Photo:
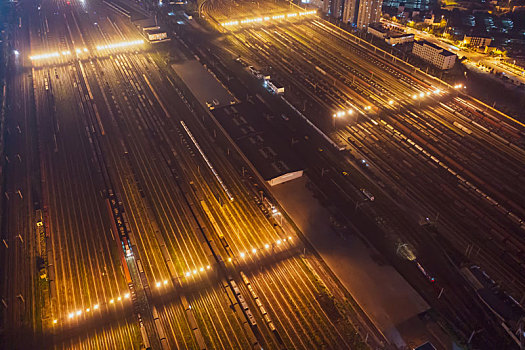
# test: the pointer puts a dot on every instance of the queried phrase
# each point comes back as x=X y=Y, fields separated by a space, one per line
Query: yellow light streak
x=119 y=45
x=267 y=18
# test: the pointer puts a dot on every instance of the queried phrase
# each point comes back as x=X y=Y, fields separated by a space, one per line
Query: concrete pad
x=377 y=287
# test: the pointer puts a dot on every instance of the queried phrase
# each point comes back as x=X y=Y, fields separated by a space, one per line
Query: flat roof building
x=437 y=56
x=477 y=40
x=396 y=39
x=273 y=158
x=391 y=37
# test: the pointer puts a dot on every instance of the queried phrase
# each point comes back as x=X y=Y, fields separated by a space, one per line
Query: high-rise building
x=362 y=12
x=421 y=5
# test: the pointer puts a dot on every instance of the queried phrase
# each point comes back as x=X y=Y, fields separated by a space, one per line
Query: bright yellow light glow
x=126 y=295
x=267 y=18
x=88 y=309
x=201 y=269
x=391 y=102
x=188 y=274
x=71 y=315
x=229 y=259
x=242 y=255
x=208 y=267
x=55 y=321
x=158 y=284
x=279 y=242
x=289 y=238
x=79 y=312
x=165 y=282
x=120 y=45
x=111 y=301
x=254 y=250
x=44 y=56
x=95 y=307
x=414 y=97
x=119 y=298
x=266 y=246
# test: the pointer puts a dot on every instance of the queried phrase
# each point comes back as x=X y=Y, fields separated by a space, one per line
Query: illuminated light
x=126 y=295
x=201 y=269
x=229 y=259
x=437 y=91
x=16 y=52
x=95 y=307
x=279 y=242
x=421 y=94
x=188 y=274
x=350 y=111
x=254 y=250
x=165 y=282
x=194 y=272
x=266 y=246
x=335 y=115
x=391 y=102
x=428 y=93
x=208 y=267
x=242 y=255
x=158 y=284
x=120 y=45
x=85 y=50
x=414 y=97
x=111 y=301
x=119 y=298
x=55 y=321
x=78 y=50
x=71 y=315
x=44 y=56
x=79 y=312
x=88 y=309
x=289 y=238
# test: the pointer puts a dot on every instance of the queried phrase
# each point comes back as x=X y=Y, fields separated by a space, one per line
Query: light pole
x=340 y=114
